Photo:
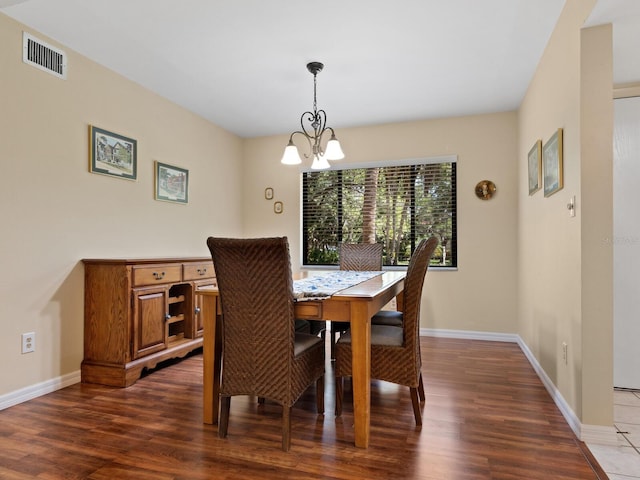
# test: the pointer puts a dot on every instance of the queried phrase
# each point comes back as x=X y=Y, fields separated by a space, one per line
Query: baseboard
x=470 y=335
x=569 y=415
x=33 y=391
x=602 y=435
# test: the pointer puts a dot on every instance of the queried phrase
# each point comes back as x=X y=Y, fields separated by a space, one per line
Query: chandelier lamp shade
x=313 y=127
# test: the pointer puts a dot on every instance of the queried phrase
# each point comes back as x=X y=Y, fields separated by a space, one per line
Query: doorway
x=626 y=243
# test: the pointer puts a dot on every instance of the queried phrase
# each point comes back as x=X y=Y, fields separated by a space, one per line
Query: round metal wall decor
x=485 y=189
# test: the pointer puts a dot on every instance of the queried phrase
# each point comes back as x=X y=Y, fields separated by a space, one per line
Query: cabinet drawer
x=197 y=271
x=156 y=274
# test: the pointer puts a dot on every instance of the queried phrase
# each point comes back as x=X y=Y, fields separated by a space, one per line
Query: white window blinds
x=396 y=205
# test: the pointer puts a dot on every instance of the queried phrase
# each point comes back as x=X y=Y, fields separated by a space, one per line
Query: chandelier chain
x=315 y=102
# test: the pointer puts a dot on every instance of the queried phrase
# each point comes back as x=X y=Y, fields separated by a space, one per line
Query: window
x=396 y=205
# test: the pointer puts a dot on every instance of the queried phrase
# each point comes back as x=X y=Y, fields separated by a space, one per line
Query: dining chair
x=361 y=257
x=262 y=354
x=395 y=351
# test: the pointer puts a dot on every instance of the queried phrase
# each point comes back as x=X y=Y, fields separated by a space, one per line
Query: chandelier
x=313 y=128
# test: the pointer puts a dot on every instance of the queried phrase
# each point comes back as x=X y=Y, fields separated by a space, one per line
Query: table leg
x=361 y=370
x=400 y=302
x=211 y=359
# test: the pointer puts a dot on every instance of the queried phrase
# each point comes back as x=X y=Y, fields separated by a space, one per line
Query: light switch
x=571 y=206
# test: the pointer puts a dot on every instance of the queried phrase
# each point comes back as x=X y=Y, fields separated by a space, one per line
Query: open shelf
x=178 y=299
x=176 y=318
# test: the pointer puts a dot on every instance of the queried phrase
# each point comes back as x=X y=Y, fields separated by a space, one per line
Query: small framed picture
x=535 y=167
x=112 y=154
x=172 y=183
x=277 y=207
x=552 y=161
x=268 y=193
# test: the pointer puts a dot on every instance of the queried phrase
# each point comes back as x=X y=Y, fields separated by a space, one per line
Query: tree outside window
x=396 y=206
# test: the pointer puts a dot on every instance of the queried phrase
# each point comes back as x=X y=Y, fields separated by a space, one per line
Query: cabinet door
x=150 y=310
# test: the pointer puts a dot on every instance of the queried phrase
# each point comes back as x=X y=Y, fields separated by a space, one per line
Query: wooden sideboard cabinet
x=138 y=312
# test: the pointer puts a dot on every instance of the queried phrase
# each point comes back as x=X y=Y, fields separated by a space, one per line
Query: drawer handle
x=202 y=271
x=158 y=276
x=197 y=310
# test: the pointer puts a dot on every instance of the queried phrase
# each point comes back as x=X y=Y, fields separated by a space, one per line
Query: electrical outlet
x=565 y=348
x=29 y=342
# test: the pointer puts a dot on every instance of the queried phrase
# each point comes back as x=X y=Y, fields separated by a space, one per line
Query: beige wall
x=564 y=267
x=54 y=212
x=596 y=178
x=481 y=294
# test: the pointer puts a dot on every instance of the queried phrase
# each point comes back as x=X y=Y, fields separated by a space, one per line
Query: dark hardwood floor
x=486 y=416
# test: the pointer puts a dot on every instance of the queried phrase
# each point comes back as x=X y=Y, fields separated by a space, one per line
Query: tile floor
x=622 y=461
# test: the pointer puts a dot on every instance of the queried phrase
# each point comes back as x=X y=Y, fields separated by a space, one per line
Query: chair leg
x=223 y=421
x=416 y=405
x=320 y=394
x=421 y=389
x=339 y=395
x=286 y=428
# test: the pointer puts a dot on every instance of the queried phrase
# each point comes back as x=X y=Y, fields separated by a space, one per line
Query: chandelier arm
x=325 y=130
x=310 y=118
x=321 y=119
x=308 y=141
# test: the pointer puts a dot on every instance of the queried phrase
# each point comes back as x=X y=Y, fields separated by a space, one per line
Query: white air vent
x=37 y=53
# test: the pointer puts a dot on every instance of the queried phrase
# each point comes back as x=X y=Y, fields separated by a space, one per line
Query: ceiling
x=242 y=64
x=625 y=17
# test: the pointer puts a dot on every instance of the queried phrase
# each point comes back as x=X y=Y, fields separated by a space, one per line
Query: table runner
x=325 y=285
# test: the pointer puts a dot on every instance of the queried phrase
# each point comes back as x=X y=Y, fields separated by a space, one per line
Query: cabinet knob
x=197 y=310
x=167 y=316
x=158 y=275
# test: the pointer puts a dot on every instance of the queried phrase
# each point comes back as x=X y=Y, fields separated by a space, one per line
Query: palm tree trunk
x=369 y=207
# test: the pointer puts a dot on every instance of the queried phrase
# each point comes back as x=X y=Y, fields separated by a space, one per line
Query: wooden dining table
x=355 y=304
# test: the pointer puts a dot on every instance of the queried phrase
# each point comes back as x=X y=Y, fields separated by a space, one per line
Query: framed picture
x=268 y=193
x=552 y=160
x=277 y=207
x=172 y=183
x=535 y=167
x=112 y=154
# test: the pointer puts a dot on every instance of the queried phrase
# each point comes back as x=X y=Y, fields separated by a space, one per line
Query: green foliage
x=405 y=205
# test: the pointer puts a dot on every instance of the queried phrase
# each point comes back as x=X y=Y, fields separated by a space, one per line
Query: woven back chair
x=360 y=257
x=262 y=355
x=395 y=351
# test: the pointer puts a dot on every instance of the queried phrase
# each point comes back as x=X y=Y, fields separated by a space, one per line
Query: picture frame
x=112 y=154
x=268 y=193
x=171 y=183
x=552 y=163
x=277 y=207
x=535 y=167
